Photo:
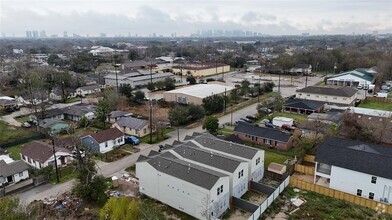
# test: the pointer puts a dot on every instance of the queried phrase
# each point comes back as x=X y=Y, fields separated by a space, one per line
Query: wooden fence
x=385 y=208
x=304 y=169
x=309 y=158
x=378 y=99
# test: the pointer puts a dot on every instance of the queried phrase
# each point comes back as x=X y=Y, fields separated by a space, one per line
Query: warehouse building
x=196 y=93
x=201 y=69
x=136 y=78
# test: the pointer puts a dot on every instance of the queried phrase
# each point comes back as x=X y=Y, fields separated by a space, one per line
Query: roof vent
x=189 y=167
x=211 y=155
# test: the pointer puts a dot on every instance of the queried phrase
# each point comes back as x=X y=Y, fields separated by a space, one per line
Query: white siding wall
x=109 y=145
x=257 y=170
x=24 y=175
x=177 y=193
x=326 y=98
x=349 y=181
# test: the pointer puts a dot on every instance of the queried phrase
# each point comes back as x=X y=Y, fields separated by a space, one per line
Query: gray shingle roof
x=116 y=114
x=185 y=171
x=79 y=109
x=131 y=122
x=344 y=91
x=226 y=146
x=303 y=104
x=269 y=133
x=216 y=160
x=40 y=151
x=12 y=168
x=356 y=155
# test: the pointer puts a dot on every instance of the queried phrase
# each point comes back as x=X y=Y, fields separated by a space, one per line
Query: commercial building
x=201 y=69
x=355 y=167
x=135 y=78
x=353 y=78
x=196 y=93
x=342 y=96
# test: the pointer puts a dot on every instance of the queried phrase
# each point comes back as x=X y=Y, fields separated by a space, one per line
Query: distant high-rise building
x=28 y=34
x=54 y=36
x=65 y=34
x=154 y=35
x=3 y=35
x=305 y=34
x=102 y=35
x=42 y=34
x=35 y=34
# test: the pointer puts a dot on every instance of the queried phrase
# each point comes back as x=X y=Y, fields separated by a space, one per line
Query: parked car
x=132 y=140
x=26 y=125
x=287 y=127
x=251 y=117
x=247 y=120
x=9 y=109
x=269 y=125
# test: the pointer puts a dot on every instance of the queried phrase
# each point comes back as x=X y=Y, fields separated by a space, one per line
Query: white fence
x=270 y=199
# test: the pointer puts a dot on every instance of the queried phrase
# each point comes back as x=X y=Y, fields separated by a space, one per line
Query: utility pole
x=279 y=84
x=231 y=115
x=150 y=104
x=258 y=97
x=55 y=159
x=115 y=70
x=224 y=103
x=306 y=80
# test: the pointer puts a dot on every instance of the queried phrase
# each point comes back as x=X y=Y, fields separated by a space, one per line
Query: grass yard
x=130 y=148
x=11 y=133
x=146 y=139
x=274 y=157
x=318 y=206
x=227 y=130
x=376 y=105
x=71 y=100
x=296 y=117
x=22 y=119
x=15 y=151
x=66 y=173
x=113 y=155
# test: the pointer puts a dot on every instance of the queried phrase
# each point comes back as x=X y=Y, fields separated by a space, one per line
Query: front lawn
x=146 y=139
x=376 y=105
x=113 y=155
x=15 y=151
x=65 y=174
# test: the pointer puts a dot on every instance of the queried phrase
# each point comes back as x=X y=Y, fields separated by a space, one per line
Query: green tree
x=195 y=112
x=92 y=190
x=12 y=209
x=82 y=62
x=151 y=86
x=191 y=80
x=169 y=84
x=268 y=86
x=63 y=81
x=245 y=87
x=102 y=111
x=234 y=95
x=126 y=90
x=120 y=209
x=178 y=115
x=133 y=54
x=213 y=104
x=139 y=97
x=211 y=124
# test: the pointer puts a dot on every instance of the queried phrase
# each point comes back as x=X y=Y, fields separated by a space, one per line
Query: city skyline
x=144 y=18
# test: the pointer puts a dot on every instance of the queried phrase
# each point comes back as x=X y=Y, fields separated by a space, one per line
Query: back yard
x=376 y=105
x=11 y=133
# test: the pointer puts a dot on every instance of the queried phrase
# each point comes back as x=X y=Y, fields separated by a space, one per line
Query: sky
x=183 y=17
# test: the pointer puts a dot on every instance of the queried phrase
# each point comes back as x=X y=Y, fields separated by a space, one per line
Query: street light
x=115 y=70
x=52 y=136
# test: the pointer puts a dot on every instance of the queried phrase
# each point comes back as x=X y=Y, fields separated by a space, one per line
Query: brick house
x=264 y=136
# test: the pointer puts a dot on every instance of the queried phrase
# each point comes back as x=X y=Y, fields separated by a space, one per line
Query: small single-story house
x=301 y=69
x=116 y=115
x=341 y=96
x=332 y=117
x=54 y=126
x=263 y=135
x=133 y=126
x=56 y=93
x=40 y=154
x=104 y=141
x=7 y=102
x=89 y=89
x=11 y=171
x=302 y=106
x=76 y=112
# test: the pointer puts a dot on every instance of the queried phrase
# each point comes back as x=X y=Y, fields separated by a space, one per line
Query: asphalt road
x=117 y=168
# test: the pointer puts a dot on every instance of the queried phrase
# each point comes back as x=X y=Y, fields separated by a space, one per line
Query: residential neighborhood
x=216 y=110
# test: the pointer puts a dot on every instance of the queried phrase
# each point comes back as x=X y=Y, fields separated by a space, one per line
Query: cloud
x=185 y=17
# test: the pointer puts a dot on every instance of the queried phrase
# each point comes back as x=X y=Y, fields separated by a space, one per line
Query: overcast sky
x=143 y=17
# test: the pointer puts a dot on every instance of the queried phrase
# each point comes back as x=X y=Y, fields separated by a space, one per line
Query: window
x=335 y=97
x=265 y=141
x=344 y=98
x=239 y=175
x=242 y=172
x=218 y=191
x=317 y=96
x=371 y=195
x=359 y=192
x=221 y=188
x=374 y=179
x=257 y=161
x=21 y=174
x=106 y=144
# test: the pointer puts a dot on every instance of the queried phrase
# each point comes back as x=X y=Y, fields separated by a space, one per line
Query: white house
x=236 y=169
x=254 y=157
x=353 y=78
x=11 y=171
x=104 y=141
x=302 y=69
x=355 y=167
x=195 y=190
x=40 y=154
x=89 y=89
x=132 y=126
x=331 y=95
